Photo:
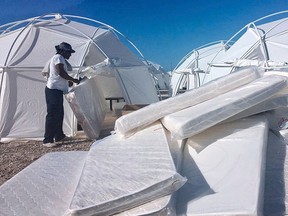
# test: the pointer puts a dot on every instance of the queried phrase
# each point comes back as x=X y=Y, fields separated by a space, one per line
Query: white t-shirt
x=55 y=81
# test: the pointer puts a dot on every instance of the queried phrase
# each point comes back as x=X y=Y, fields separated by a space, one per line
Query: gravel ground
x=16 y=155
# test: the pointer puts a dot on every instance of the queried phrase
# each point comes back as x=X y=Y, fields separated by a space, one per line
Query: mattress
x=278 y=101
x=225 y=167
x=89 y=107
x=164 y=205
x=195 y=119
x=120 y=174
x=45 y=187
x=135 y=121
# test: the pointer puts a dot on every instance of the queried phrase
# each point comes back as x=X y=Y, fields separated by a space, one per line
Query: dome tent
x=261 y=43
x=27 y=45
x=193 y=69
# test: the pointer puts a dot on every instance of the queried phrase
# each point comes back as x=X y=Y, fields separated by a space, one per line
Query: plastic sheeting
x=193 y=120
x=130 y=123
x=225 y=168
x=89 y=107
x=120 y=174
x=43 y=188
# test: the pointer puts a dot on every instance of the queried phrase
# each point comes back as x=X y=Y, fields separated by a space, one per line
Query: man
x=57 y=84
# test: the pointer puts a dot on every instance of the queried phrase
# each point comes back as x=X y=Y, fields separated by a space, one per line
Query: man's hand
x=76 y=81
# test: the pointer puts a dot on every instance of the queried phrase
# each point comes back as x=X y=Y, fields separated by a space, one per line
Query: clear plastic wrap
x=225 y=167
x=89 y=106
x=132 y=122
x=120 y=174
x=195 y=119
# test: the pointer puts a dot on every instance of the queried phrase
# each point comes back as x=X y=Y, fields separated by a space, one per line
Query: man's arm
x=64 y=75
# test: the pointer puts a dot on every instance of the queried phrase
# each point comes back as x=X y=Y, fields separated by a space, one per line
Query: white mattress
x=89 y=107
x=225 y=168
x=45 y=187
x=132 y=122
x=164 y=205
x=275 y=102
x=120 y=174
x=195 y=119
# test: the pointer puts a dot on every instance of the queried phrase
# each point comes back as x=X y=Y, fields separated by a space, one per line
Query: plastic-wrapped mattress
x=195 y=119
x=45 y=187
x=120 y=174
x=132 y=122
x=164 y=205
x=225 y=167
x=89 y=106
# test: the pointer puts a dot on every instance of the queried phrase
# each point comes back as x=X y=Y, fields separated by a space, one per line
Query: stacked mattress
x=199 y=153
x=136 y=176
x=225 y=167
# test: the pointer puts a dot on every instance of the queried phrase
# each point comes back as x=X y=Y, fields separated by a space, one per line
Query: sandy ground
x=18 y=154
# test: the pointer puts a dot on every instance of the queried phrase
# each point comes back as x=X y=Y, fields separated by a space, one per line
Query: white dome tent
x=28 y=44
x=262 y=43
x=161 y=79
x=193 y=69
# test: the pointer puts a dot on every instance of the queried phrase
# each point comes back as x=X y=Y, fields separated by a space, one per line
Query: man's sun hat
x=65 y=46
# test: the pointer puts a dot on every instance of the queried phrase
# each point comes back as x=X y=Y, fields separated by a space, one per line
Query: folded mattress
x=132 y=122
x=225 y=167
x=45 y=187
x=89 y=107
x=195 y=119
x=120 y=174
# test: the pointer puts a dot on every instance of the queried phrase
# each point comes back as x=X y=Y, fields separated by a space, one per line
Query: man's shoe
x=65 y=139
x=50 y=145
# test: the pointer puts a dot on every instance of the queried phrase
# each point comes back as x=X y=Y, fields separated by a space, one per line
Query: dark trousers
x=55 y=116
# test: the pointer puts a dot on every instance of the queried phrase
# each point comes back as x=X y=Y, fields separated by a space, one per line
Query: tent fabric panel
x=277 y=49
x=25 y=106
x=202 y=57
x=137 y=85
x=6 y=42
x=116 y=50
x=36 y=49
x=72 y=28
x=240 y=47
x=214 y=73
x=274 y=28
x=93 y=56
x=109 y=86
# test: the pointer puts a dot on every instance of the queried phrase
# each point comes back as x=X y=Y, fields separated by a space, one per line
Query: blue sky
x=163 y=30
